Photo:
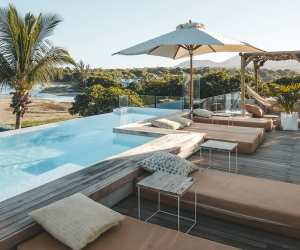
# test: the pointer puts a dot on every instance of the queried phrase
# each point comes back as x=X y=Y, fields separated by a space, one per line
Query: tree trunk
x=18 y=118
x=19 y=102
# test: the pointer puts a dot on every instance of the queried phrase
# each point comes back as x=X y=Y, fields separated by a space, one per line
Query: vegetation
x=98 y=99
x=150 y=82
x=220 y=81
x=287 y=95
x=26 y=56
x=81 y=73
x=288 y=80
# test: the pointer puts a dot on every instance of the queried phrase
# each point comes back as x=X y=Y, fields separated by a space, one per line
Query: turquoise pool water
x=30 y=159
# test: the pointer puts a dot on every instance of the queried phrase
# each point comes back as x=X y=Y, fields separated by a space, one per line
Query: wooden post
x=255 y=65
x=243 y=66
x=191 y=87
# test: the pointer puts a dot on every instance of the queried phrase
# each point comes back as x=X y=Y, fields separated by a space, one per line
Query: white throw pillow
x=76 y=220
x=203 y=113
x=166 y=123
x=181 y=120
x=168 y=163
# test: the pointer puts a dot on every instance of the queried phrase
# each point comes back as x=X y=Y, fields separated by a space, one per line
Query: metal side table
x=170 y=185
x=221 y=146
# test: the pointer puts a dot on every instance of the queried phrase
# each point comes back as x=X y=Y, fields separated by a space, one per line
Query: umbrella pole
x=191 y=88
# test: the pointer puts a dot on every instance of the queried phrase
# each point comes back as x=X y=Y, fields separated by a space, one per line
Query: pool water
x=30 y=159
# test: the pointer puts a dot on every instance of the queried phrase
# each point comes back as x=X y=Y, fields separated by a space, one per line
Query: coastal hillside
x=234 y=63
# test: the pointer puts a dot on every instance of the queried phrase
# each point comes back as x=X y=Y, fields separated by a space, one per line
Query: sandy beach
x=40 y=112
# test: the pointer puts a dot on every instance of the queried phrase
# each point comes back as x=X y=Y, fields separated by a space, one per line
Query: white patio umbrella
x=188 y=39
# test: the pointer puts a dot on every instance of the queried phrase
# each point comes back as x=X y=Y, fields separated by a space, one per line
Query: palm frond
x=6 y=72
x=43 y=28
x=6 y=40
x=48 y=23
x=47 y=66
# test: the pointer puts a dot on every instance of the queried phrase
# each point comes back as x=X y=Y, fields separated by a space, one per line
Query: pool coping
x=55 y=124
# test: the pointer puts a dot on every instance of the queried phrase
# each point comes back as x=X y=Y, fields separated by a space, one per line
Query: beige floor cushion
x=166 y=123
x=76 y=220
x=168 y=163
x=184 y=122
x=203 y=113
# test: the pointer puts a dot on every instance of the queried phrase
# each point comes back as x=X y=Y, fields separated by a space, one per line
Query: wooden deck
x=278 y=158
x=210 y=228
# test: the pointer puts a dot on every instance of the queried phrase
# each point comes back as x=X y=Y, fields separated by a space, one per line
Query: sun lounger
x=131 y=234
x=242 y=121
x=248 y=139
x=267 y=204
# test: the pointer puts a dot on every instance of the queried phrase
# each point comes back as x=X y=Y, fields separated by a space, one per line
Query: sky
x=94 y=29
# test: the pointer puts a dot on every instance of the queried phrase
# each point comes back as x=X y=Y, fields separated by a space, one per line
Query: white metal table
x=221 y=146
x=171 y=185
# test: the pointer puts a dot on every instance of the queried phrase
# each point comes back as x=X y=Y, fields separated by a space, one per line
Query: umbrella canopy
x=189 y=39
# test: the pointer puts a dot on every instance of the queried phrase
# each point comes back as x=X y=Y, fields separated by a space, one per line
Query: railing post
x=243 y=66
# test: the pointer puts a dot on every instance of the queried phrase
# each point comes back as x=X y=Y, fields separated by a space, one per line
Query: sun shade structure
x=259 y=59
x=188 y=40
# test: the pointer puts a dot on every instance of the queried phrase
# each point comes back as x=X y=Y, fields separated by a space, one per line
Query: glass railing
x=226 y=102
x=163 y=102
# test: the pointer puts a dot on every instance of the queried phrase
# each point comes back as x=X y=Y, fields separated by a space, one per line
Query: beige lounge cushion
x=184 y=122
x=239 y=121
x=132 y=234
x=166 y=123
x=203 y=113
x=76 y=220
x=255 y=110
x=248 y=139
x=251 y=196
x=169 y=163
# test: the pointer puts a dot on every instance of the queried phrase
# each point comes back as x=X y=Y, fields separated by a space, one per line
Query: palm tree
x=81 y=71
x=27 y=58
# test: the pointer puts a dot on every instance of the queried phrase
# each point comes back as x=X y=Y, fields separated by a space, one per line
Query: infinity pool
x=30 y=159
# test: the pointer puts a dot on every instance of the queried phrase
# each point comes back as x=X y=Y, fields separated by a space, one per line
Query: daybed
x=242 y=121
x=248 y=139
x=271 y=205
x=131 y=234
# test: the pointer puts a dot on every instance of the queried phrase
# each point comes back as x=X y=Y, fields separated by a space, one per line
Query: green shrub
x=287 y=95
x=97 y=100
